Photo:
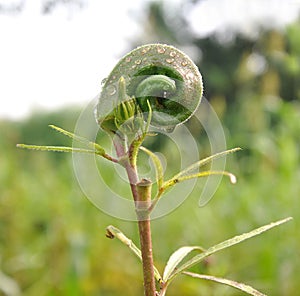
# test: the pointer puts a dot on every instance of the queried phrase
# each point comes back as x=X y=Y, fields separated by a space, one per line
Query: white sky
x=245 y=15
x=53 y=60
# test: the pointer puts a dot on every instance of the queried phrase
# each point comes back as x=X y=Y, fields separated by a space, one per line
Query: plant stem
x=142 y=205
x=131 y=171
x=141 y=192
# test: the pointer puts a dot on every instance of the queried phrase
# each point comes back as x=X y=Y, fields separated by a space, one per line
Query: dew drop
x=138 y=62
x=103 y=81
x=184 y=63
x=190 y=76
x=128 y=60
x=173 y=54
x=111 y=89
x=161 y=49
x=169 y=61
x=145 y=50
x=169 y=129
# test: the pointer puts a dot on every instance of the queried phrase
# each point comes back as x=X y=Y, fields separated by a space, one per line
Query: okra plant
x=157 y=86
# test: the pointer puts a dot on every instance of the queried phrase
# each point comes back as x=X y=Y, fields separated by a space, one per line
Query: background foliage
x=52 y=240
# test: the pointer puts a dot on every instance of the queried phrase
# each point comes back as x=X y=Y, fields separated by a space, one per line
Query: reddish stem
x=143 y=214
x=141 y=192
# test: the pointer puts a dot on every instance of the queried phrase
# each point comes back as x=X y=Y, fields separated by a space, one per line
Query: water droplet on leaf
x=161 y=49
x=184 y=63
x=169 y=61
x=111 y=89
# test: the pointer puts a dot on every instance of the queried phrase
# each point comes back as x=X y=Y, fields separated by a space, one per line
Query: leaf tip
x=233 y=179
x=287 y=219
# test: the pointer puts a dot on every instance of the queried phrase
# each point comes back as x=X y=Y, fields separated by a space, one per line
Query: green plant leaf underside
x=176 y=258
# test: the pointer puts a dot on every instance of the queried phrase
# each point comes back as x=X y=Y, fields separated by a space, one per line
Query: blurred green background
x=52 y=239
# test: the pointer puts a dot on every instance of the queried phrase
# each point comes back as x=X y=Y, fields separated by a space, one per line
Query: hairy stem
x=143 y=215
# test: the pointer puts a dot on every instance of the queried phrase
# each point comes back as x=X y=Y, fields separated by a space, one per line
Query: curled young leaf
x=160 y=74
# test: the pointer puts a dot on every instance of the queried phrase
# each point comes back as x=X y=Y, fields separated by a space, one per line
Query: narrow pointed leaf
x=174 y=181
x=206 y=160
x=186 y=173
x=149 y=117
x=240 y=286
x=157 y=164
x=112 y=232
x=231 y=176
x=226 y=244
x=55 y=148
x=176 y=258
x=82 y=140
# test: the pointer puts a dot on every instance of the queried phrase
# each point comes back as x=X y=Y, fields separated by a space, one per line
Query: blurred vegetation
x=52 y=239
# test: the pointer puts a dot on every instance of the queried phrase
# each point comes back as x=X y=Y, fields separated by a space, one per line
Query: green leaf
x=112 y=232
x=176 y=258
x=55 y=148
x=226 y=244
x=240 y=286
x=95 y=148
x=157 y=164
x=174 y=181
x=231 y=176
x=148 y=118
x=206 y=160
x=82 y=140
x=186 y=173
